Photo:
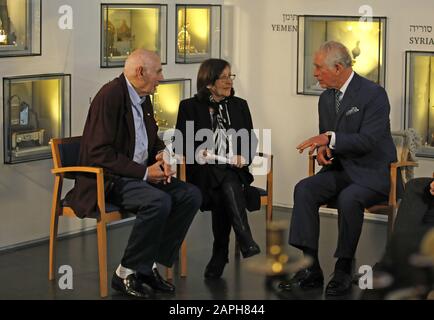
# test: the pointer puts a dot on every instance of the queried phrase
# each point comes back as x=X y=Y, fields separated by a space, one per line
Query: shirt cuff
x=332 y=140
x=146 y=175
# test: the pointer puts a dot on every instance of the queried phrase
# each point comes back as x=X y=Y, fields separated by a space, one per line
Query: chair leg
x=184 y=259
x=169 y=273
x=54 y=220
x=390 y=222
x=269 y=209
x=52 y=247
x=102 y=257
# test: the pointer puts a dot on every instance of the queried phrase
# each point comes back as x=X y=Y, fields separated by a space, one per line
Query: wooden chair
x=65 y=153
x=181 y=173
x=406 y=143
x=267 y=193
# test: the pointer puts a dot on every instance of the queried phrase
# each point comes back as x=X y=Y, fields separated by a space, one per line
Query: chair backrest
x=406 y=143
x=65 y=151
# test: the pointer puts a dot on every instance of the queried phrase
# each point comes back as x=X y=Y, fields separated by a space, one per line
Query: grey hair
x=336 y=53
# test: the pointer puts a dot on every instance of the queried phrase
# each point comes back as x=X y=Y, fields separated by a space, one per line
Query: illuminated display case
x=166 y=103
x=419 y=98
x=365 y=40
x=35 y=109
x=198 y=33
x=126 y=27
x=20 y=28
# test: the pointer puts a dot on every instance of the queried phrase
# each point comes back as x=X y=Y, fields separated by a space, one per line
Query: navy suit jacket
x=364 y=145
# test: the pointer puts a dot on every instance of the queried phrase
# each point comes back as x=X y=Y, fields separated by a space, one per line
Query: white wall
x=26 y=189
x=265 y=64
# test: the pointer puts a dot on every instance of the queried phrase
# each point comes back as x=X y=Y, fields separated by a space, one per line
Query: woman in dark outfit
x=224 y=186
x=414 y=220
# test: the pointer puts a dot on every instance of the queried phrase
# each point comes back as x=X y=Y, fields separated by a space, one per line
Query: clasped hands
x=319 y=143
x=161 y=171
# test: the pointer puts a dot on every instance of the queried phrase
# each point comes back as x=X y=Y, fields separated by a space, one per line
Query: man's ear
x=140 y=71
x=339 y=68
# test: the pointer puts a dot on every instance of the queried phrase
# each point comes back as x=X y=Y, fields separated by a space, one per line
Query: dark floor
x=23 y=273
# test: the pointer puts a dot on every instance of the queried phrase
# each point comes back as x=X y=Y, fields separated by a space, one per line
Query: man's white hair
x=336 y=53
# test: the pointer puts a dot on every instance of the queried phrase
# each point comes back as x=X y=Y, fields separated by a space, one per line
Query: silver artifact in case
x=36 y=109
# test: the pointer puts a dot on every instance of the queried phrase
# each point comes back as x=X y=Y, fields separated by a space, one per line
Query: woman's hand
x=432 y=188
x=238 y=161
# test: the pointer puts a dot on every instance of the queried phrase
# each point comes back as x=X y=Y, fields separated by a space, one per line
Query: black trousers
x=350 y=200
x=224 y=217
x=163 y=215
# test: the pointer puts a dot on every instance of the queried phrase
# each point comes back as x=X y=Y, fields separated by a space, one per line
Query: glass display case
x=419 y=98
x=20 y=28
x=198 y=33
x=166 y=101
x=126 y=27
x=365 y=40
x=35 y=109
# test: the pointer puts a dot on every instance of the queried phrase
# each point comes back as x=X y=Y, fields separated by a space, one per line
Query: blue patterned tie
x=337 y=100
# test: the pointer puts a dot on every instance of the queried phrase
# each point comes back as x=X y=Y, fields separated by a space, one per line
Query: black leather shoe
x=339 y=285
x=250 y=251
x=131 y=286
x=307 y=278
x=156 y=282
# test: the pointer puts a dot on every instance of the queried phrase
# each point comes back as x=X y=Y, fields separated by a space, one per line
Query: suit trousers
x=350 y=200
x=163 y=215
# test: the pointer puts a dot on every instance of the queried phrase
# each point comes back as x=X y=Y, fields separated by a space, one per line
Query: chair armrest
x=263 y=155
x=404 y=164
x=311 y=165
x=77 y=169
x=393 y=176
x=181 y=171
x=99 y=184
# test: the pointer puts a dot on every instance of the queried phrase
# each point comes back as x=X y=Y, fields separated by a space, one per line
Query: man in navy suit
x=355 y=148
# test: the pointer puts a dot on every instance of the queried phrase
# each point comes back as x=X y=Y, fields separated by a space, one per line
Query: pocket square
x=352 y=111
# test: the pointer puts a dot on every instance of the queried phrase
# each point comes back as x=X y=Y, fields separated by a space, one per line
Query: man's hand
x=155 y=173
x=163 y=158
x=324 y=156
x=238 y=161
x=313 y=143
x=432 y=188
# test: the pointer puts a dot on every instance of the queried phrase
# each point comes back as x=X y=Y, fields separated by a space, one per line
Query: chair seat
x=262 y=192
x=109 y=207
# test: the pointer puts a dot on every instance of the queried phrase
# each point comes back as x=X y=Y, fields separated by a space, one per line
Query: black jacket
x=203 y=176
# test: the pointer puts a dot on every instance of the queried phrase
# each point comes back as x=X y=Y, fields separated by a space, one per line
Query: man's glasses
x=229 y=77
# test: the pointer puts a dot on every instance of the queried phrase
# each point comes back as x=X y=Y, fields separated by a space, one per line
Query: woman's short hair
x=209 y=71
